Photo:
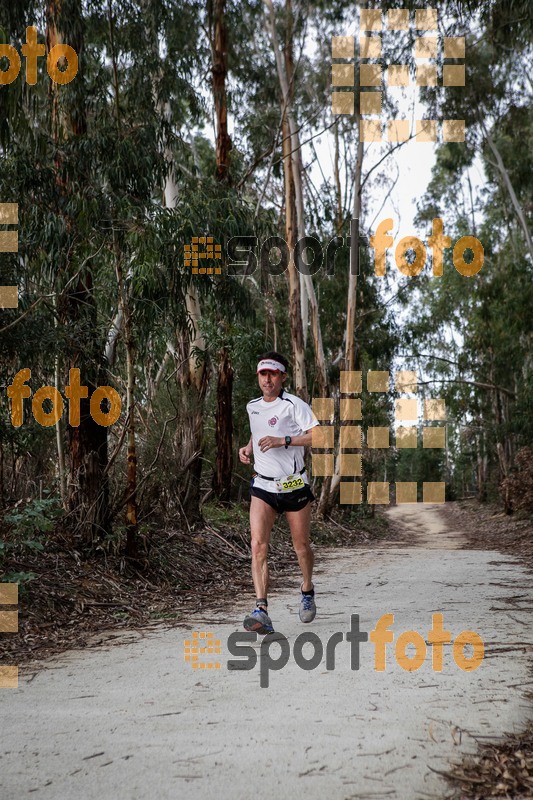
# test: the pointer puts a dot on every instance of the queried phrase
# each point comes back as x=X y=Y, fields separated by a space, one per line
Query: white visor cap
x=269 y=363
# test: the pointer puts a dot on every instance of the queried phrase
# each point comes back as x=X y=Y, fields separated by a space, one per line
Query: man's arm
x=246 y=451
x=303 y=440
x=268 y=442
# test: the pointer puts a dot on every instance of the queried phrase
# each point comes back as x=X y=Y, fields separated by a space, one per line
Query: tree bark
x=192 y=381
x=224 y=412
x=289 y=148
x=286 y=81
x=510 y=189
x=330 y=487
x=131 y=549
x=88 y=492
x=339 y=220
x=295 y=314
x=224 y=428
x=219 y=48
x=191 y=385
x=60 y=430
x=293 y=162
x=354 y=263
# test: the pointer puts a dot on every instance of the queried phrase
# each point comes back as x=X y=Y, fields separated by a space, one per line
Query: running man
x=281 y=427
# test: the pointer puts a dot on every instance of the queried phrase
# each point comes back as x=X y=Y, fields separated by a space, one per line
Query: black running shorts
x=284 y=501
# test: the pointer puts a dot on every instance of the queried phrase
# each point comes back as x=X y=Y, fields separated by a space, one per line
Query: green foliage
x=22 y=578
x=37 y=516
x=234 y=516
x=27 y=524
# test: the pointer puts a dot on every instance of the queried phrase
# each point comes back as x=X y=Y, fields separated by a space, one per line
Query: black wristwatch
x=288 y=440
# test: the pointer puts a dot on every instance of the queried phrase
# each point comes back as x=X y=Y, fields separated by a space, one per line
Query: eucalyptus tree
x=45 y=136
x=482 y=361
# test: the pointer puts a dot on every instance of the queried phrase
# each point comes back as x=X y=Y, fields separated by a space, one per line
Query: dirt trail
x=136 y=721
x=429 y=528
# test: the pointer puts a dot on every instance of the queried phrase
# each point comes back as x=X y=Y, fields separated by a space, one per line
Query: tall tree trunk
x=88 y=493
x=60 y=429
x=224 y=428
x=330 y=486
x=192 y=381
x=293 y=162
x=219 y=48
x=307 y=289
x=287 y=87
x=291 y=236
x=339 y=217
x=191 y=385
x=481 y=467
x=131 y=479
x=509 y=187
x=289 y=148
x=125 y=312
x=2 y=494
x=131 y=483
x=354 y=262
x=224 y=413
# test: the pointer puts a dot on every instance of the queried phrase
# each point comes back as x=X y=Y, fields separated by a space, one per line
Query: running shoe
x=307 y=608
x=258 y=621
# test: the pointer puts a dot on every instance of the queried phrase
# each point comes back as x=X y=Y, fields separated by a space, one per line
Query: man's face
x=270 y=382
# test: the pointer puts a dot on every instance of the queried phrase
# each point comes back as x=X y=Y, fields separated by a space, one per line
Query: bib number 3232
x=290 y=482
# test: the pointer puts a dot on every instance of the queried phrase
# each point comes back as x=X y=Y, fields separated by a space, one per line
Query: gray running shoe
x=258 y=621
x=307 y=608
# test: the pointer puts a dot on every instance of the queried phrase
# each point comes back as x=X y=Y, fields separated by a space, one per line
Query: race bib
x=289 y=483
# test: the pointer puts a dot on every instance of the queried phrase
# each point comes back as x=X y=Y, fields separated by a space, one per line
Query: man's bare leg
x=300 y=525
x=262 y=518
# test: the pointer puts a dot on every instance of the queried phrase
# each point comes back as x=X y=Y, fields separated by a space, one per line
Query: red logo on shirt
x=273 y=421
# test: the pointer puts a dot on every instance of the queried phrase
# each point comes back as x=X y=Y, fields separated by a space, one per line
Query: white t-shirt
x=288 y=415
